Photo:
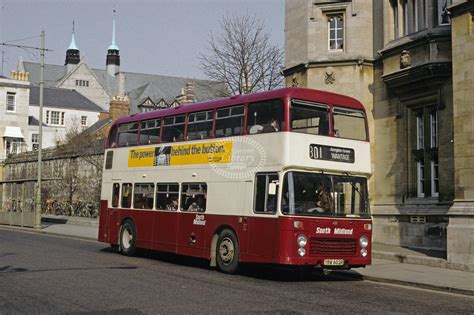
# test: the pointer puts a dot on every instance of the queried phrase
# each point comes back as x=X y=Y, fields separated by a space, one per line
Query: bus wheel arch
x=127 y=237
x=227 y=250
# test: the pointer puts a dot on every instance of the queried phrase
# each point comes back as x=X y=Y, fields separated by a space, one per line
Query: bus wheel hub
x=226 y=250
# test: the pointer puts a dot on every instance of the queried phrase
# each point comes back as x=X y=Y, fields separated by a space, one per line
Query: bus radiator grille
x=332 y=246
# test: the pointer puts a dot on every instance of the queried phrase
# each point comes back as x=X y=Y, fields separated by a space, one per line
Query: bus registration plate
x=333 y=262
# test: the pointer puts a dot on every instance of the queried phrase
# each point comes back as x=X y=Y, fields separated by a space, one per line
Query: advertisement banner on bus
x=185 y=154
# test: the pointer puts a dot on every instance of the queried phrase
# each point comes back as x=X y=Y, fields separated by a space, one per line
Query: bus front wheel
x=127 y=238
x=227 y=255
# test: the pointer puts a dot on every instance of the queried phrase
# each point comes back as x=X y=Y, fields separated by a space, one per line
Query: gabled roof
x=162 y=87
x=62 y=98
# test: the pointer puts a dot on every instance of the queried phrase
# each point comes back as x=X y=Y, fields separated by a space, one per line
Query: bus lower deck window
x=167 y=196
x=126 y=195
x=115 y=195
x=194 y=197
x=143 y=196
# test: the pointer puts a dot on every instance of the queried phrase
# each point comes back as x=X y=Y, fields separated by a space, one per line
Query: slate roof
x=138 y=86
x=98 y=125
x=62 y=98
x=32 y=121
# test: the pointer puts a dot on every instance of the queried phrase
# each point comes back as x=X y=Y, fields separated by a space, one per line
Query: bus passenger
x=272 y=126
x=173 y=203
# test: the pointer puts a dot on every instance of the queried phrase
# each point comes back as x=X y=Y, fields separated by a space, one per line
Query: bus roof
x=301 y=93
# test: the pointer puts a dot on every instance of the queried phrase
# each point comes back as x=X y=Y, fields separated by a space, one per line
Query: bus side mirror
x=272 y=188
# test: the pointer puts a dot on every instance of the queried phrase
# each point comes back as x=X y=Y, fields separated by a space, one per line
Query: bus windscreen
x=317 y=194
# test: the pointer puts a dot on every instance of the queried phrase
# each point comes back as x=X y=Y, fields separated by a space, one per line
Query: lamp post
x=37 y=223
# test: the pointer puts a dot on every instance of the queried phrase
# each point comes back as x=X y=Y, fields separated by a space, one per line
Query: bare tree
x=242 y=57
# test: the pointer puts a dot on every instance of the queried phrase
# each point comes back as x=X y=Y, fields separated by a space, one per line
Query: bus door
x=165 y=219
x=263 y=226
x=143 y=215
x=192 y=219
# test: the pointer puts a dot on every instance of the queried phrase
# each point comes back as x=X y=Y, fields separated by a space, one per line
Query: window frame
x=310 y=104
x=168 y=191
x=424 y=151
x=329 y=15
x=122 y=193
x=266 y=195
x=334 y=113
x=182 y=192
x=10 y=96
x=196 y=122
x=115 y=201
x=128 y=144
x=230 y=116
x=164 y=125
x=159 y=120
x=439 y=11
x=135 y=199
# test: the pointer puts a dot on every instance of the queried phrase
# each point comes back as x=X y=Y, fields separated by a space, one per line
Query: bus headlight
x=364 y=252
x=363 y=241
x=302 y=240
x=301 y=251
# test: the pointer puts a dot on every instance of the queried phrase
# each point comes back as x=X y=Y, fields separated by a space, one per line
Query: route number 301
x=315 y=152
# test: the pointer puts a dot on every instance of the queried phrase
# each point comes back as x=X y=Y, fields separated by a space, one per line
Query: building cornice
x=462 y=8
x=417 y=77
x=440 y=33
x=328 y=63
x=25 y=85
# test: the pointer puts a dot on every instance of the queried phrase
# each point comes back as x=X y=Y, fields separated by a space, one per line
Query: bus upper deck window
x=150 y=131
x=127 y=134
x=349 y=124
x=199 y=125
x=265 y=117
x=173 y=128
x=309 y=117
x=229 y=121
x=113 y=137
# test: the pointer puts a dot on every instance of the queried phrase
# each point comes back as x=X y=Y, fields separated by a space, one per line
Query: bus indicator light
x=298 y=225
x=367 y=226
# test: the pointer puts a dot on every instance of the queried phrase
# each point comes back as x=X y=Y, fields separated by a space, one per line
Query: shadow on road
x=257 y=271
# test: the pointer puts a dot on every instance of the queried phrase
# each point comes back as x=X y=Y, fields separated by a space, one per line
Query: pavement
x=390 y=264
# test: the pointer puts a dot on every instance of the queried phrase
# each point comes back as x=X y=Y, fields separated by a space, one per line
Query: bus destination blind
x=329 y=153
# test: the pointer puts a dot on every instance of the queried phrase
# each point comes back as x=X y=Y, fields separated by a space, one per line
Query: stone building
x=14 y=97
x=461 y=214
x=396 y=57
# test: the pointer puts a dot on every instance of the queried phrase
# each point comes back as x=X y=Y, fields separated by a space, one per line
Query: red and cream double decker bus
x=276 y=177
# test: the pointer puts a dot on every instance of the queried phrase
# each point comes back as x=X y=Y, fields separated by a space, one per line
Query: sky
x=162 y=37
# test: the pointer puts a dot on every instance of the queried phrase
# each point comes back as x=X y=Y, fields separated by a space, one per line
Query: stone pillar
x=461 y=214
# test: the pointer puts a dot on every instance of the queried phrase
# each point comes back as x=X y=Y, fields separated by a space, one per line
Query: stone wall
x=461 y=221
x=69 y=174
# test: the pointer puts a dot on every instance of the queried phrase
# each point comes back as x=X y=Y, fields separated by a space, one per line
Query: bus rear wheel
x=227 y=255
x=127 y=238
